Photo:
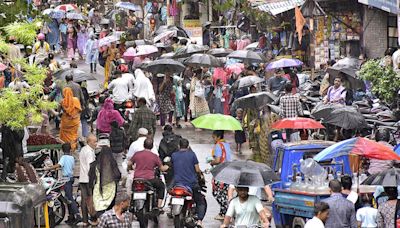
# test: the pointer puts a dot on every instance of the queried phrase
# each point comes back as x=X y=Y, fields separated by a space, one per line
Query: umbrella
x=249 y=81
x=236 y=68
x=255 y=100
x=53 y=13
x=75 y=16
x=282 y=63
x=108 y=40
x=180 y=32
x=2 y=67
x=359 y=146
x=79 y=75
x=128 y=6
x=251 y=46
x=164 y=36
x=166 y=47
x=346 y=117
x=387 y=178
x=146 y=50
x=203 y=60
x=220 y=52
x=67 y=7
x=165 y=65
x=275 y=108
x=189 y=50
x=167 y=55
x=349 y=67
x=244 y=173
x=217 y=122
x=321 y=110
x=129 y=54
x=138 y=42
x=246 y=55
x=297 y=123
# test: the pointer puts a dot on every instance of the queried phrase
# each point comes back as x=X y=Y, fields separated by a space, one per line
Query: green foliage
x=3 y=47
x=385 y=82
x=20 y=109
x=24 y=32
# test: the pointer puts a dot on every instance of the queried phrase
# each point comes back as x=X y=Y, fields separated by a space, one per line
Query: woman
x=70 y=118
x=179 y=101
x=220 y=154
x=387 y=211
x=53 y=36
x=109 y=55
x=292 y=77
x=71 y=42
x=92 y=52
x=198 y=104
x=103 y=178
x=165 y=101
x=41 y=49
x=218 y=97
x=107 y=115
x=83 y=37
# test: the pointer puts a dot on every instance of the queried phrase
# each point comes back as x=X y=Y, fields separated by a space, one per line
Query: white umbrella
x=145 y=50
x=108 y=40
x=165 y=36
x=128 y=6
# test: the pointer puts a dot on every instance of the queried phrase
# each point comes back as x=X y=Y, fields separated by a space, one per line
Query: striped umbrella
x=67 y=7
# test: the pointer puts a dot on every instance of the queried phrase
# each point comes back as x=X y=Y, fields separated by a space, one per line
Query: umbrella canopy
x=255 y=100
x=387 y=178
x=146 y=50
x=165 y=65
x=246 y=55
x=346 y=117
x=128 y=6
x=75 y=16
x=236 y=68
x=138 y=42
x=2 y=67
x=164 y=36
x=297 y=123
x=53 y=13
x=180 y=32
x=190 y=50
x=220 y=52
x=166 y=47
x=359 y=146
x=249 y=81
x=282 y=63
x=349 y=67
x=322 y=111
x=167 y=55
x=129 y=54
x=108 y=40
x=244 y=173
x=67 y=7
x=78 y=75
x=217 y=122
x=203 y=60
x=251 y=46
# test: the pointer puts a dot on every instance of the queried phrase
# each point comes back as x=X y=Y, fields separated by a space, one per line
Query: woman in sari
x=109 y=54
x=198 y=104
x=70 y=119
x=106 y=116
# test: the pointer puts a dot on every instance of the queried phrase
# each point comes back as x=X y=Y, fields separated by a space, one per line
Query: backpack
x=168 y=145
x=117 y=139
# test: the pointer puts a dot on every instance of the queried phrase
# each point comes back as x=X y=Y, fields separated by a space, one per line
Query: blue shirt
x=218 y=151
x=67 y=163
x=341 y=212
x=63 y=28
x=183 y=162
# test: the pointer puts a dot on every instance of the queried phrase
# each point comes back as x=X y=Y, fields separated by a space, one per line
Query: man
x=290 y=104
x=341 y=211
x=247 y=210
x=118 y=216
x=146 y=161
x=336 y=93
x=382 y=136
x=143 y=117
x=86 y=156
x=143 y=87
x=321 y=213
x=169 y=143
x=186 y=170
x=119 y=88
x=206 y=33
x=138 y=145
x=76 y=89
x=277 y=83
x=128 y=77
x=347 y=192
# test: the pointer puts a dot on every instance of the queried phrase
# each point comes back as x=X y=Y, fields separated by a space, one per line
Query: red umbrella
x=67 y=7
x=297 y=123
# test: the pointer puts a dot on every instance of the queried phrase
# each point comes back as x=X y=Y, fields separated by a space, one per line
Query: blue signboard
x=385 y=5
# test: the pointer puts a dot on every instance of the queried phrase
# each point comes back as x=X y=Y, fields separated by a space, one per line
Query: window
x=392 y=32
x=279 y=159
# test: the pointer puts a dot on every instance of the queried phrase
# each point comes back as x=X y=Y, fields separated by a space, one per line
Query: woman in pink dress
x=71 y=43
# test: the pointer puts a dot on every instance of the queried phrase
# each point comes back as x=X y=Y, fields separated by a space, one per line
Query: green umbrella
x=217 y=122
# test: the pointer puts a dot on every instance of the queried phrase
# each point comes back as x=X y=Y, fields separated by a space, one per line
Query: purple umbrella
x=284 y=63
x=130 y=54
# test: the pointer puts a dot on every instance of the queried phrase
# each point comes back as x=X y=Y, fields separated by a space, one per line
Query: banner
x=385 y=5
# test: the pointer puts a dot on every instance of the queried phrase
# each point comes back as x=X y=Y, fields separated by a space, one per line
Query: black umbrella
x=246 y=56
x=78 y=75
x=167 y=48
x=275 y=108
x=249 y=81
x=189 y=50
x=322 y=111
x=244 y=173
x=387 y=178
x=203 y=60
x=348 y=67
x=164 y=65
x=180 y=31
x=346 y=117
x=255 y=100
x=132 y=43
x=220 y=52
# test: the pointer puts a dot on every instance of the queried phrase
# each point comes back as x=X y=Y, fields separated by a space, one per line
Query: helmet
x=382 y=134
x=40 y=36
x=123 y=68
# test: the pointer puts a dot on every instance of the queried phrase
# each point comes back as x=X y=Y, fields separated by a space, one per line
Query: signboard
x=195 y=34
x=385 y=5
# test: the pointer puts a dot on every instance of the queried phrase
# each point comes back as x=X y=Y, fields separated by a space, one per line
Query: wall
x=376 y=33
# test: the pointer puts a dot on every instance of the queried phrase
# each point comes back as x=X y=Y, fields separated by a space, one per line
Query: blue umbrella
x=282 y=63
x=128 y=6
x=397 y=149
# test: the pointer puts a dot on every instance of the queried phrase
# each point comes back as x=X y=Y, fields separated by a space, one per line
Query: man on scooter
x=186 y=172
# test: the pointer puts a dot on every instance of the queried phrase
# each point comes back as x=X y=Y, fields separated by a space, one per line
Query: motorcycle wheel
x=143 y=218
x=179 y=220
x=58 y=211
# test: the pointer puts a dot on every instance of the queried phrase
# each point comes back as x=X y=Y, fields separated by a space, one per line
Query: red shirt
x=146 y=161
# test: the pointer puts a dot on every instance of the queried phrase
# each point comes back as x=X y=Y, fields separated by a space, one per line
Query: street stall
x=44 y=144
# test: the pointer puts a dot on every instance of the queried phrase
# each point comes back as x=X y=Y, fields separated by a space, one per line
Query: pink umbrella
x=67 y=7
x=146 y=50
x=130 y=54
x=236 y=68
x=2 y=67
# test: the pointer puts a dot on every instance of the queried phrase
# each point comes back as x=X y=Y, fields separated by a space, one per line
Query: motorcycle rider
x=119 y=88
x=187 y=170
x=146 y=161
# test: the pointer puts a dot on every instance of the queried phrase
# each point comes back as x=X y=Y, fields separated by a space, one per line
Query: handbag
x=199 y=92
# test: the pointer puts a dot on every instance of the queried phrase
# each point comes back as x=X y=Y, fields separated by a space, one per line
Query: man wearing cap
x=118 y=216
x=137 y=145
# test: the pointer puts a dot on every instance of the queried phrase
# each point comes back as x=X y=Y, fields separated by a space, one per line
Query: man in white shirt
x=321 y=213
x=143 y=87
x=130 y=80
x=86 y=156
x=119 y=88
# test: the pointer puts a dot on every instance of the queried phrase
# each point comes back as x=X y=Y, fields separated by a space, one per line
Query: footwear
x=219 y=217
x=84 y=224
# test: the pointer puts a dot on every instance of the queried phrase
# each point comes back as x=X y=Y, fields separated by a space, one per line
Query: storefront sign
x=385 y=5
x=195 y=34
x=191 y=23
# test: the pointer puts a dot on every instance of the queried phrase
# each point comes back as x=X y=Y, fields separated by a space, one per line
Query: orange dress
x=70 y=119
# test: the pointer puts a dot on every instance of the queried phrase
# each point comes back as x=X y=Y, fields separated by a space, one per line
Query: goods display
x=41 y=139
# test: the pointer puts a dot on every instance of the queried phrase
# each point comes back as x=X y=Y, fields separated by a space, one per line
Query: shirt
x=146 y=162
x=341 y=212
x=143 y=117
x=120 y=90
x=367 y=216
x=183 y=162
x=377 y=166
x=86 y=156
x=67 y=163
x=138 y=145
x=290 y=106
x=246 y=213
x=336 y=95
x=314 y=223
x=130 y=80
x=276 y=83
x=386 y=213
x=110 y=220
x=218 y=151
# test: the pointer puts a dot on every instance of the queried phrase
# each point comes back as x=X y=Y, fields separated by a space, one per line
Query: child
x=240 y=136
x=66 y=164
x=366 y=216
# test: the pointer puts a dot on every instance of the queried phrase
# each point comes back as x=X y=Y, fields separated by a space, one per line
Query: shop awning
x=276 y=7
x=385 y=5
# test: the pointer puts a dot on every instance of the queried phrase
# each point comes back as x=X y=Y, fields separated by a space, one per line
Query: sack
x=90 y=206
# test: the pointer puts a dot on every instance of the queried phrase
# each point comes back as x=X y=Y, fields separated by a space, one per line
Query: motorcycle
x=38 y=159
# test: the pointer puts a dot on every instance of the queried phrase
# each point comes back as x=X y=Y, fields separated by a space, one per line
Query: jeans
x=201 y=203
x=118 y=158
x=85 y=193
x=72 y=206
x=85 y=127
x=160 y=187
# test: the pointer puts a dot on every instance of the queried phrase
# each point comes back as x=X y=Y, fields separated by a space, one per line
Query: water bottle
x=296 y=185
